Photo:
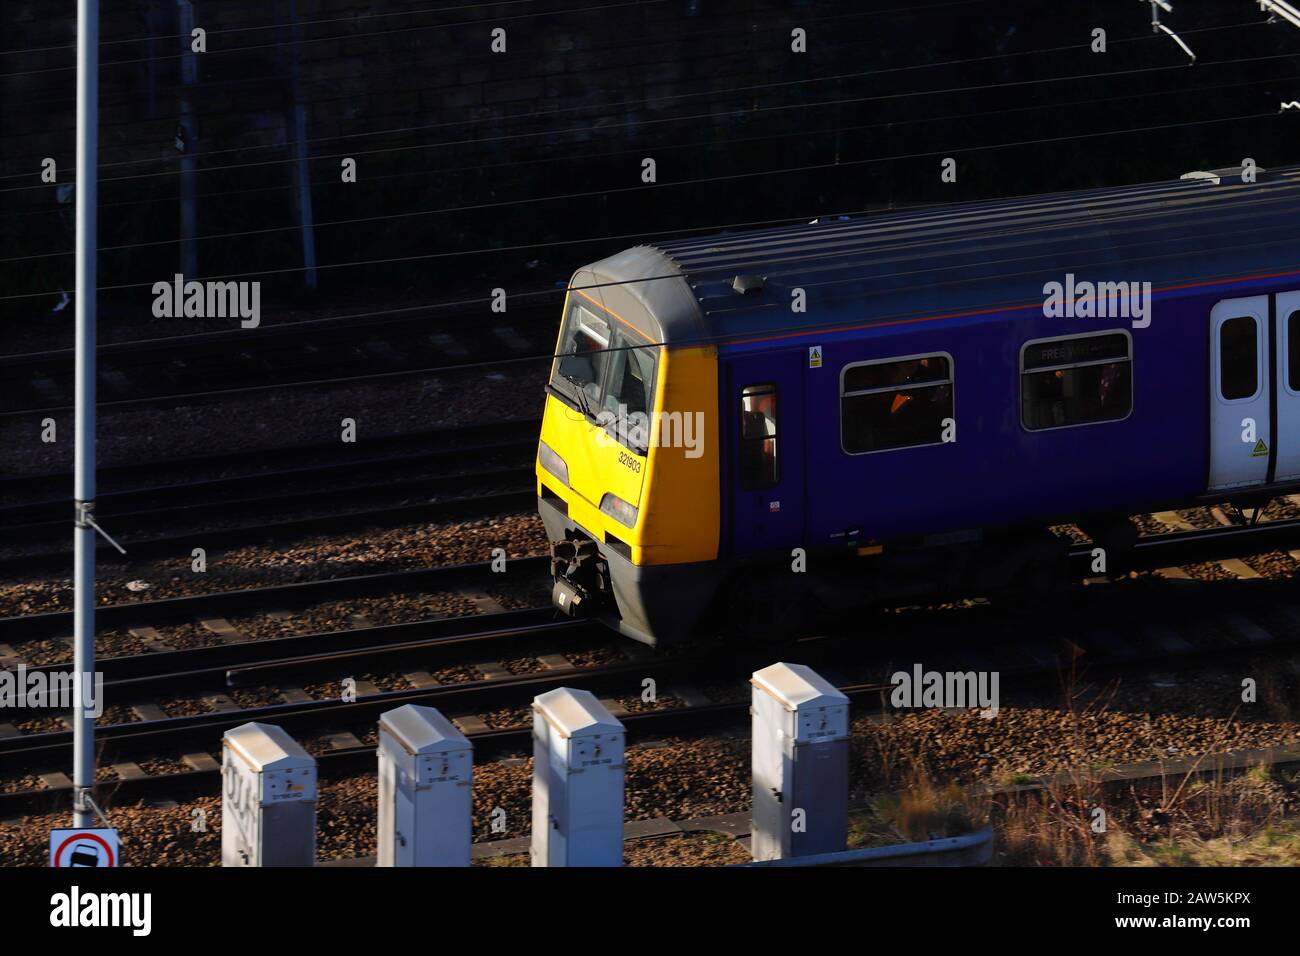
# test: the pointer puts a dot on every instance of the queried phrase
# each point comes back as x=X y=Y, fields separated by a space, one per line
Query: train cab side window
x=758 y=461
x=1239 y=358
x=895 y=404
x=1076 y=381
x=628 y=399
x=631 y=379
x=1293 y=349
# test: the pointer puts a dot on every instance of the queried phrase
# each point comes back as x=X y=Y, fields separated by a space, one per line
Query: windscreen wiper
x=580 y=396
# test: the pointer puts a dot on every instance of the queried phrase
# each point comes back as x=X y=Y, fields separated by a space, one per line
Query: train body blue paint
x=994 y=470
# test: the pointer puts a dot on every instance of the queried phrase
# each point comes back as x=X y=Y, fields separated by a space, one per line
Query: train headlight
x=552 y=462
x=618 y=509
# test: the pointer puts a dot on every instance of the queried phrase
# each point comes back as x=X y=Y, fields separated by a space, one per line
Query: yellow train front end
x=627 y=469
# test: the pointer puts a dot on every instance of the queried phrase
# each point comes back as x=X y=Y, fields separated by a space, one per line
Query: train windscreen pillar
x=268 y=799
x=577 y=781
x=426 y=773
x=800 y=763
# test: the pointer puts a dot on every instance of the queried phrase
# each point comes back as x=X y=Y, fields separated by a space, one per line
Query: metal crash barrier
x=970 y=849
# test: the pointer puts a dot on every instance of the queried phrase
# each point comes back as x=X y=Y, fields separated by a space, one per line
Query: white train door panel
x=1286 y=453
x=1240 y=442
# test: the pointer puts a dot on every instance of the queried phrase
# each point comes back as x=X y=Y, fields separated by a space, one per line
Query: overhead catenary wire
x=674 y=96
x=324 y=81
x=801 y=330
x=444 y=26
x=441 y=170
x=878 y=159
x=715 y=228
x=537 y=199
x=371 y=178
x=279 y=44
x=277 y=26
x=820 y=166
x=633 y=102
x=1124 y=196
x=677 y=119
x=408 y=13
x=280 y=188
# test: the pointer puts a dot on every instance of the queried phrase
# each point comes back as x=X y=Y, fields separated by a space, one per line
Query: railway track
x=1154 y=552
x=274 y=597
x=1190 y=545
x=460 y=496
x=208 y=365
x=214 y=668
x=287 y=663
x=466 y=472
x=1112 y=630
x=496 y=490
x=33 y=498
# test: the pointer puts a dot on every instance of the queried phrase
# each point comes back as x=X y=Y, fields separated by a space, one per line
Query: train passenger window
x=895 y=404
x=1238 y=358
x=1076 y=381
x=758 y=463
x=1293 y=348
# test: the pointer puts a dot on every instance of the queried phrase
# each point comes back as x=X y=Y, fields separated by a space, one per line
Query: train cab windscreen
x=584 y=352
x=610 y=377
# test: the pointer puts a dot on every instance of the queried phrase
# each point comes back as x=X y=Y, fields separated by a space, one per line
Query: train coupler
x=568 y=598
x=581 y=575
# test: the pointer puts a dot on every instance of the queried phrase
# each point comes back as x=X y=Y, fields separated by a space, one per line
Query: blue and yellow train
x=752 y=431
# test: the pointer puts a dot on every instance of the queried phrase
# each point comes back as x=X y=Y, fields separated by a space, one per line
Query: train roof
x=956 y=259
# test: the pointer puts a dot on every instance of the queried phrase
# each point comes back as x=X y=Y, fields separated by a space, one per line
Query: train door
x=1286 y=450
x=764 y=412
x=1241 y=438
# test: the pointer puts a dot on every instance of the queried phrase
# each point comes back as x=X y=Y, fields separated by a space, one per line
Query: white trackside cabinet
x=268 y=802
x=426 y=769
x=801 y=763
x=577 y=781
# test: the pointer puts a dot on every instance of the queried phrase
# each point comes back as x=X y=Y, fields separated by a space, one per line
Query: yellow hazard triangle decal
x=1261 y=450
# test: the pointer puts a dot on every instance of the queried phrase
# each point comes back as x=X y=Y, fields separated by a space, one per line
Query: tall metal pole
x=187 y=143
x=301 y=171
x=83 y=537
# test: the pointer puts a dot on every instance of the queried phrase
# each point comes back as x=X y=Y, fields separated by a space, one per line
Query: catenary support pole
x=83 y=770
x=301 y=167
x=187 y=143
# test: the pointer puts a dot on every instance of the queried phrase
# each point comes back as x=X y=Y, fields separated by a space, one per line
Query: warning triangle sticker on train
x=1261 y=450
